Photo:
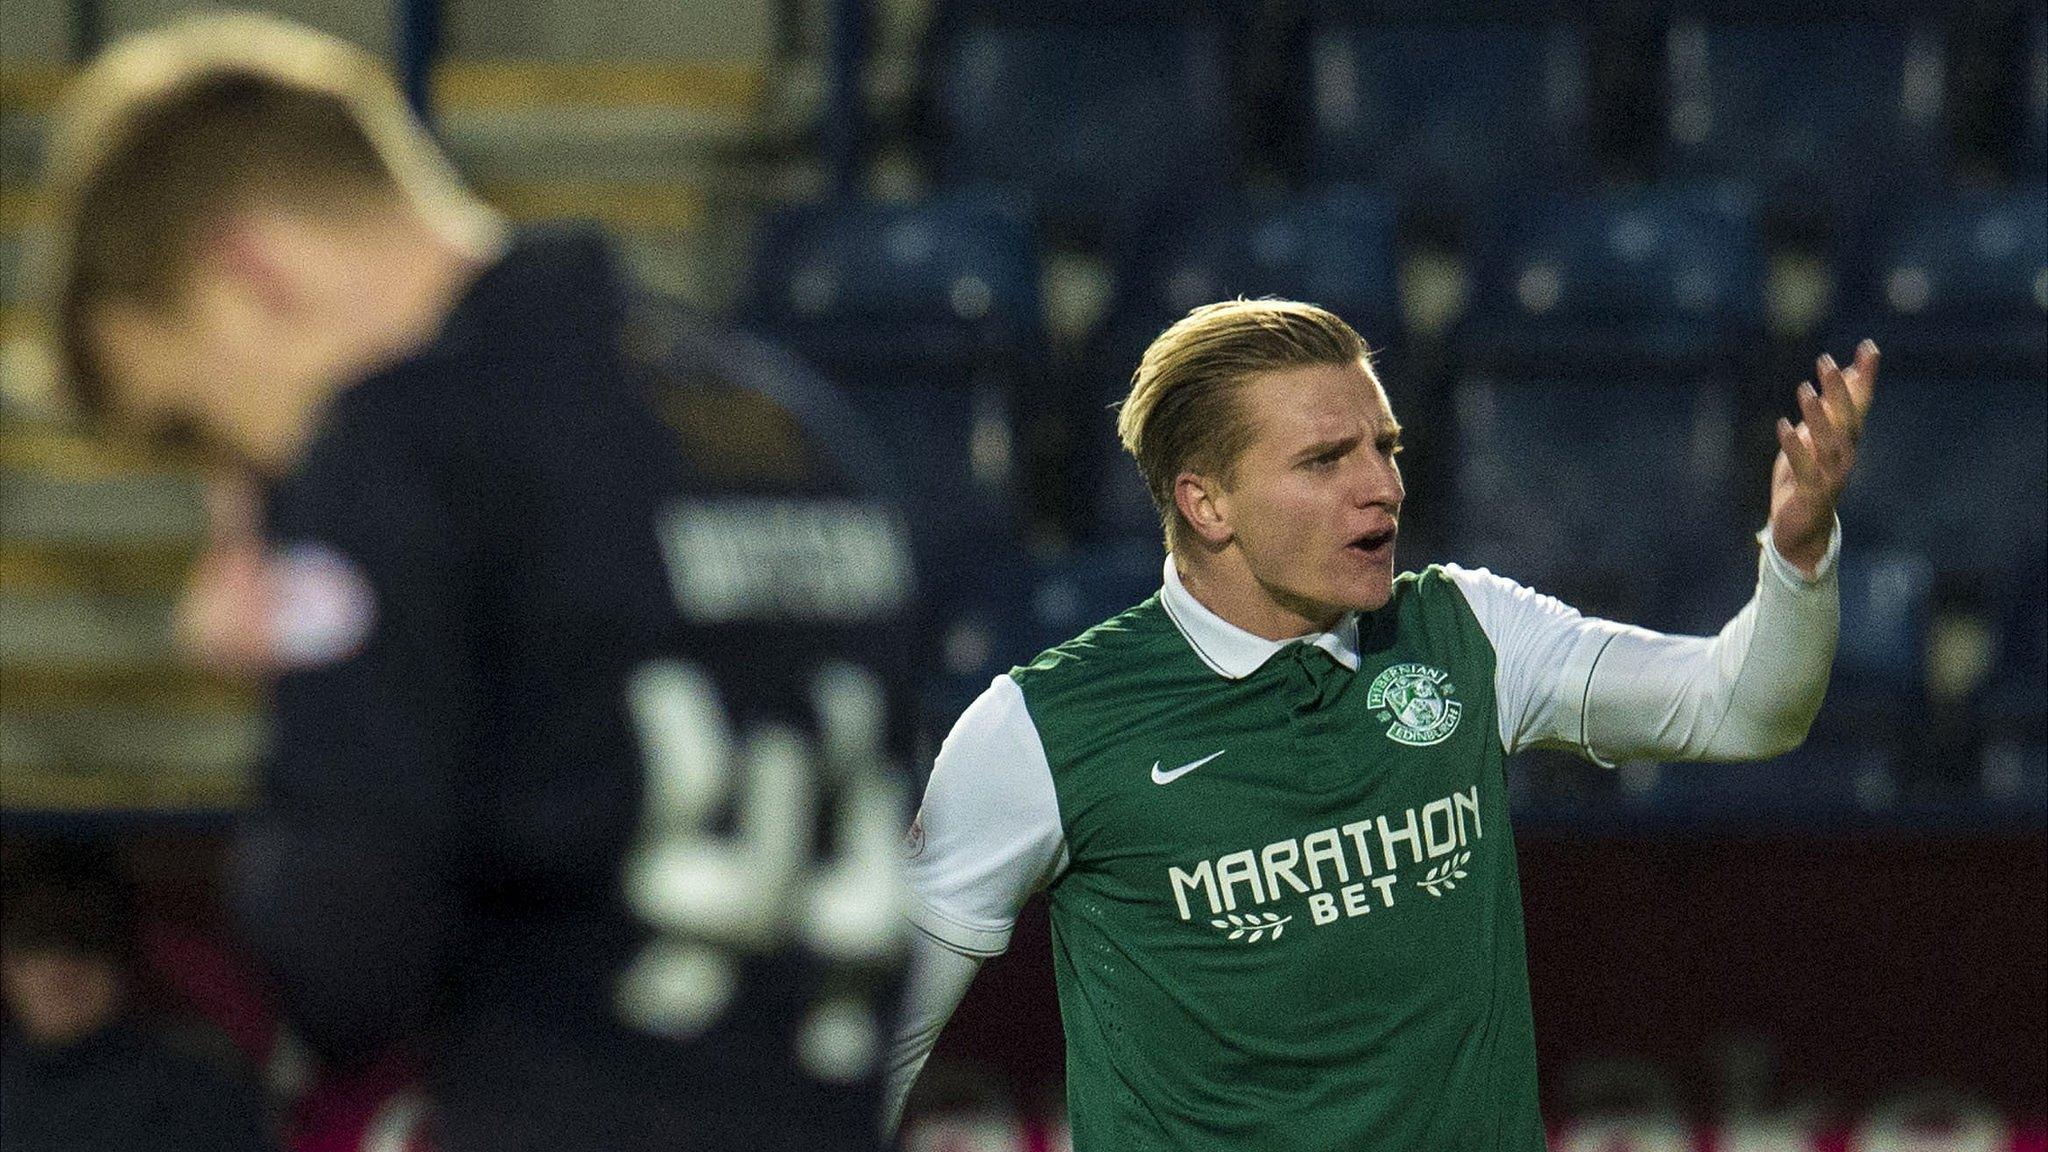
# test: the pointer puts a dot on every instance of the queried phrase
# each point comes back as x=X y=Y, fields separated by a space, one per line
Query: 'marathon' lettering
x=1364 y=851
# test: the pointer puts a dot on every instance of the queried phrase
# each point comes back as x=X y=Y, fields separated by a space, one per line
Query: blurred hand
x=1816 y=456
x=223 y=621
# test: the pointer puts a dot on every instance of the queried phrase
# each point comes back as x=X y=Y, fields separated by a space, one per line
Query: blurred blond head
x=168 y=133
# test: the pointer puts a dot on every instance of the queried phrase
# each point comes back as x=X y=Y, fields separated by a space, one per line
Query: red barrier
x=1763 y=974
x=994 y=1133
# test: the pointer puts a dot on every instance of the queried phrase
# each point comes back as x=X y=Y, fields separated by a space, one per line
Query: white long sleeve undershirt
x=1617 y=692
x=938 y=979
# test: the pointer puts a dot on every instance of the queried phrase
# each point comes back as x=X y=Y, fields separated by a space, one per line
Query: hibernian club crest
x=1417 y=704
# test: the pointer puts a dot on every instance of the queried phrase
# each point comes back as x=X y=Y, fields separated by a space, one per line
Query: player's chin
x=1366 y=579
x=189 y=438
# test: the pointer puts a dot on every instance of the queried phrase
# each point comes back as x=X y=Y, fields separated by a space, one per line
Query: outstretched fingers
x=1797 y=445
x=1834 y=393
x=1860 y=381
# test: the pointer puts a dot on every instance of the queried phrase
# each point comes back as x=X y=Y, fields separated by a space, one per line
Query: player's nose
x=1380 y=483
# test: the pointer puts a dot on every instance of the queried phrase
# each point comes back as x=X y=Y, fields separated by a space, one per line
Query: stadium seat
x=1106 y=114
x=1816 y=112
x=1880 y=658
x=982 y=617
x=1963 y=282
x=1663 y=276
x=2016 y=692
x=927 y=287
x=1609 y=495
x=2030 y=156
x=2014 y=777
x=927 y=315
x=1093 y=583
x=1810 y=788
x=1951 y=468
x=1006 y=611
x=1443 y=112
x=1118 y=505
x=1122 y=507
x=1333 y=246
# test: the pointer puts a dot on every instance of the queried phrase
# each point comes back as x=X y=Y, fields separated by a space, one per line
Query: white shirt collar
x=1234 y=653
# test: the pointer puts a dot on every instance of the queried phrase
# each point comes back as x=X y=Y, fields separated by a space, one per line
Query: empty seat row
x=930 y=313
x=1674 y=268
x=1111 y=115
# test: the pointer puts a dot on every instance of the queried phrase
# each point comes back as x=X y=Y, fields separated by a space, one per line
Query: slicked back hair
x=1182 y=412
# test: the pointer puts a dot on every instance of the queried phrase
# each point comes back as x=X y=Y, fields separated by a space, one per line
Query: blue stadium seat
x=925 y=288
x=1880 y=658
x=1663 y=275
x=1005 y=610
x=2015 y=778
x=1332 y=246
x=1121 y=505
x=981 y=614
x=1446 y=112
x=1952 y=469
x=1964 y=282
x=1093 y=583
x=1117 y=504
x=1609 y=495
x=2016 y=693
x=1815 y=785
x=1107 y=114
x=928 y=316
x=2030 y=157
x=957 y=441
x=1815 y=112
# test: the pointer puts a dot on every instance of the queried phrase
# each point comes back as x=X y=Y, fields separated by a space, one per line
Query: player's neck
x=390 y=294
x=410 y=277
x=1224 y=584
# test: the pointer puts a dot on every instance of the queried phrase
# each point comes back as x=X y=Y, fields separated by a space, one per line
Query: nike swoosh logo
x=1159 y=777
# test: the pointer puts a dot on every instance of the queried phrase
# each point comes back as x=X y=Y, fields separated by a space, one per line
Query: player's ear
x=259 y=254
x=1204 y=506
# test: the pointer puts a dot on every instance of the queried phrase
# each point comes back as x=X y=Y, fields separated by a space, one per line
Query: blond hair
x=1182 y=413
x=167 y=132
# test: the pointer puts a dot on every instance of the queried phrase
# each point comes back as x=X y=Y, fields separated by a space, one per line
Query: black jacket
x=560 y=572
x=122 y=1090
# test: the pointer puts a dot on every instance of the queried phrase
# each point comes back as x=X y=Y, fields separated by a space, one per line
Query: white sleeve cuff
x=1792 y=577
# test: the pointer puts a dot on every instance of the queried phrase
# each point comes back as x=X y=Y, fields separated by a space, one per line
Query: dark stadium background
x=1597 y=247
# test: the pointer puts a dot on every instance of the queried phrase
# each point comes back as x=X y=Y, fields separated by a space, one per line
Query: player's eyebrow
x=1327 y=448
x=1389 y=437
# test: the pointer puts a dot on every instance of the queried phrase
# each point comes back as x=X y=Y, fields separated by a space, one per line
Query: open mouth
x=1374 y=543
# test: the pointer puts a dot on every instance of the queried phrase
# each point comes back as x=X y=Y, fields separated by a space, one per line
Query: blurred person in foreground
x=588 y=694
x=78 y=1069
x=1267 y=805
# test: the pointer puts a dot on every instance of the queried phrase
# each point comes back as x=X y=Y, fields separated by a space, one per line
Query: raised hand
x=1816 y=456
x=223 y=620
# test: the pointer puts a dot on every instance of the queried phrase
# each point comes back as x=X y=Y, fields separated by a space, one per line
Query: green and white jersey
x=1284 y=906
